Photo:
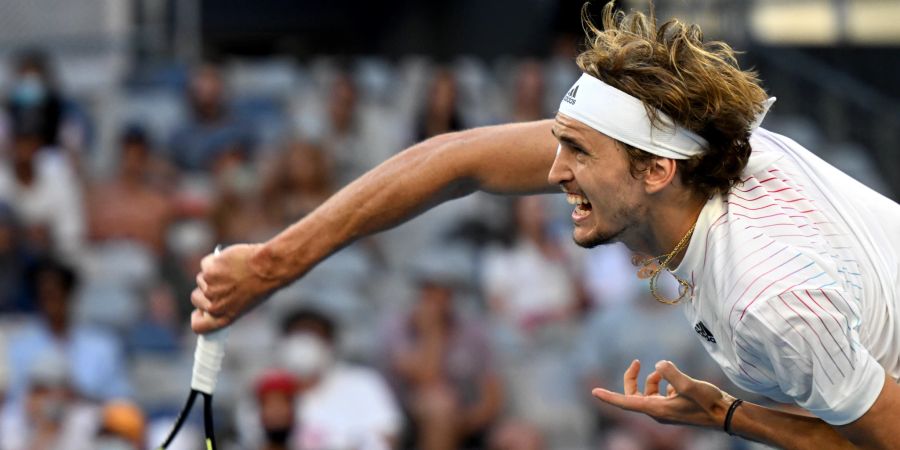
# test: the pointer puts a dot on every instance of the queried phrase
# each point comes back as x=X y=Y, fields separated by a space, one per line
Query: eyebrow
x=568 y=140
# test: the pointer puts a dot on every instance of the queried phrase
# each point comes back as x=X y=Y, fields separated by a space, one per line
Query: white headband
x=624 y=118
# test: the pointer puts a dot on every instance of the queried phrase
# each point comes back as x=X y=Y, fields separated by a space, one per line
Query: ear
x=659 y=174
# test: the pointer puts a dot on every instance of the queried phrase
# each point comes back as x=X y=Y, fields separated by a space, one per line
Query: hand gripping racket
x=207 y=364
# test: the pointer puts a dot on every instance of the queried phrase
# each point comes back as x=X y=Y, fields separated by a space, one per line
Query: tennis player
x=788 y=268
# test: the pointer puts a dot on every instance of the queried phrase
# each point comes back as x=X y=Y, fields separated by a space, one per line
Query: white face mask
x=305 y=354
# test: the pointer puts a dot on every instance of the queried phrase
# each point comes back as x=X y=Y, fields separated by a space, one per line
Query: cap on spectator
x=275 y=380
x=124 y=419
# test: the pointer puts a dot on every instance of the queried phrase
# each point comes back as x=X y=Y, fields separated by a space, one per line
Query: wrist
x=720 y=411
x=729 y=415
x=268 y=264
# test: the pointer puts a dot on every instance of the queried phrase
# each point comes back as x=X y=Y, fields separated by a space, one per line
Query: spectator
x=212 y=128
x=121 y=427
x=129 y=207
x=95 y=359
x=442 y=364
x=534 y=299
x=52 y=416
x=533 y=282
x=44 y=193
x=300 y=180
x=352 y=145
x=237 y=213
x=13 y=296
x=160 y=329
x=440 y=114
x=276 y=396
x=357 y=132
x=35 y=102
x=528 y=95
x=341 y=406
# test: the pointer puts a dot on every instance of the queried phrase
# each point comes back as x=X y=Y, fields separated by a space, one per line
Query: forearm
x=785 y=430
x=501 y=159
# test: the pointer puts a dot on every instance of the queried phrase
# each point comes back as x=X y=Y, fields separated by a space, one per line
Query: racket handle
x=208 y=360
x=208 y=356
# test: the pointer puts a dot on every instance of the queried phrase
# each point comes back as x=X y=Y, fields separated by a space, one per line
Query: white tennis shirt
x=796 y=282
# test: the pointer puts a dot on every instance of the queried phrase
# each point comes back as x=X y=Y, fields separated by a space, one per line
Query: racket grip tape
x=208 y=360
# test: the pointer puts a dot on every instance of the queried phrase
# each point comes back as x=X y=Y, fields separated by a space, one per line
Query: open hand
x=227 y=287
x=687 y=401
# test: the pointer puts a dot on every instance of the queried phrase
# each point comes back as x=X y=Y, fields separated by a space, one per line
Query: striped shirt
x=796 y=282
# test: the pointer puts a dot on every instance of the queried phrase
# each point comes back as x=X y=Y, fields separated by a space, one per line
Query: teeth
x=575 y=199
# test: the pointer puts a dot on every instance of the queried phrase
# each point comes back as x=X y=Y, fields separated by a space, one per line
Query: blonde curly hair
x=698 y=84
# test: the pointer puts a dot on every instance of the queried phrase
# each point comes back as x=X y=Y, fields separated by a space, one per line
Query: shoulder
x=52 y=162
x=761 y=271
x=798 y=321
x=358 y=376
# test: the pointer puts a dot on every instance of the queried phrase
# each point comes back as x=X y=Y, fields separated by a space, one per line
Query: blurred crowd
x=477 y=325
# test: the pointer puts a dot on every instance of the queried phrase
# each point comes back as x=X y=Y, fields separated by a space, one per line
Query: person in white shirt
x=43 y=190
x=788 y=268
x=339 y=405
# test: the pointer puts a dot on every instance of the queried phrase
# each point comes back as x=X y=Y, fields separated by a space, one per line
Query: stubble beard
x=595 y=239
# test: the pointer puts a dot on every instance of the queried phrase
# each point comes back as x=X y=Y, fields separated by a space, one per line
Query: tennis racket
x=207 y=364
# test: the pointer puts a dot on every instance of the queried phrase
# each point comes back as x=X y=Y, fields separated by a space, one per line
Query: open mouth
x=582 y=205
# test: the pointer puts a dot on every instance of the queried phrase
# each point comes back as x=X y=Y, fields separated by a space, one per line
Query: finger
x=629 y=402
x=629 y=379
x=670 y=390
x=674 y=376
x=202 y=284
x=199 y=300
x=206 y=263
x=204 y=323
x=651 y=386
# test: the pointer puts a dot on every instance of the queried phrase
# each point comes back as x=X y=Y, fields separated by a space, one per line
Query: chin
x=593 y=238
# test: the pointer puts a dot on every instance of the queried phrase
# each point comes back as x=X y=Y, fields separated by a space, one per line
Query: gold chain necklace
x=684 y=287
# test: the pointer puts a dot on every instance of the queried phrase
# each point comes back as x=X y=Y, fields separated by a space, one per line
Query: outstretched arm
x=697 y=403
x=509 y=159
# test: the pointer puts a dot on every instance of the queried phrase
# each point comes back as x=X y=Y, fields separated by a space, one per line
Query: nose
x=559 y=172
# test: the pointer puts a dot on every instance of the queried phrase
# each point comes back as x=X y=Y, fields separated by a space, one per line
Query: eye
x=579 y=152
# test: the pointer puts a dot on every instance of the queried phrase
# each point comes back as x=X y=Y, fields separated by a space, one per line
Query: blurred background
x=135 y=135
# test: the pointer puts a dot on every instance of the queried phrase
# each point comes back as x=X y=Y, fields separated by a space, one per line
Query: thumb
x=673 y=376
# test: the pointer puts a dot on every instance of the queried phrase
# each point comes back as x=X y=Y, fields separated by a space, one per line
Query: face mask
x=278 y=436
x=306 y=354
x=29 y=91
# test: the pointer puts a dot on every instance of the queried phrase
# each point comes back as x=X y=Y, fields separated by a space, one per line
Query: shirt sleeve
x=802 y=346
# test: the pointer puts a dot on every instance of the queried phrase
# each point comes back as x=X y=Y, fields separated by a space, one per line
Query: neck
x=667 y=223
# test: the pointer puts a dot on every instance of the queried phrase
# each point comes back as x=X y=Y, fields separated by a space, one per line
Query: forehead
x=569 y=130
x=563 y=123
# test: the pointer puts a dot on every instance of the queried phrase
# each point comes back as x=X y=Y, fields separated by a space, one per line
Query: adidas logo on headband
x=570 y=96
